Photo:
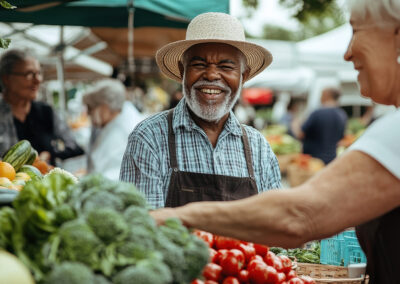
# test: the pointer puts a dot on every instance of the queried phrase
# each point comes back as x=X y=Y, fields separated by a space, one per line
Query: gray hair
x=108 y=91
x=382 y=12
x=12 y=57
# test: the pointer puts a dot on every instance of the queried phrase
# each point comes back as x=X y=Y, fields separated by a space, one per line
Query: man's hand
x=162 y=214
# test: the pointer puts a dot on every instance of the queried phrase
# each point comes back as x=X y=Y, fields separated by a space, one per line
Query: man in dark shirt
x=324 y=127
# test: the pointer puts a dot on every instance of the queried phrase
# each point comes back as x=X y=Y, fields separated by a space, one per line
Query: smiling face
x=374 y=51
x=212 y=79
x=24 y=81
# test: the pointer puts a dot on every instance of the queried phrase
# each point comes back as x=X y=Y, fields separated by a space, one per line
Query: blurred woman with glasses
x=21 y=117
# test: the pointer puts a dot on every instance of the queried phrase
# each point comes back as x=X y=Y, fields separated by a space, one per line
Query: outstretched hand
x=162 y=214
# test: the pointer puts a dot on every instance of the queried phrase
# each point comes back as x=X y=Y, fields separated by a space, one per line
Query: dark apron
x=380 y=240
x=186 y=187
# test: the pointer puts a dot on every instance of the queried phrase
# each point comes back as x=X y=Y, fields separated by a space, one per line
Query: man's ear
x=246 y=73
x=181 y=68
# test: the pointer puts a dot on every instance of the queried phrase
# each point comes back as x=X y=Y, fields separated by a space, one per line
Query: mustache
x=219 y=84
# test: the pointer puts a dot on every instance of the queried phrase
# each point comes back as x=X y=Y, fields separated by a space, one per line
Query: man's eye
x=226 y=67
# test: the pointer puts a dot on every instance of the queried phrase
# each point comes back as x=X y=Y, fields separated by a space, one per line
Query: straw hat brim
x=258 y=58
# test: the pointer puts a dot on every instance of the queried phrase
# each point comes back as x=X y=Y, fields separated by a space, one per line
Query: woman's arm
x=351 y=190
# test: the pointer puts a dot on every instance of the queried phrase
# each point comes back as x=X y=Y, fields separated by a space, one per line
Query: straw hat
x=212 y=27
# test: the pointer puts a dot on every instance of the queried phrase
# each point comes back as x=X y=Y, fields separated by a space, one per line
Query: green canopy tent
x=118 y=16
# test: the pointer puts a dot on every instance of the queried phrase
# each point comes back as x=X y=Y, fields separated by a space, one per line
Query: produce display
x=234 y=262
x=281 y=143
x=16 y=166
x=309 y=254
x=96 y=231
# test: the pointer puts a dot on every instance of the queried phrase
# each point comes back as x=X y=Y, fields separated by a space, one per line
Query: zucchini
x=18 y=154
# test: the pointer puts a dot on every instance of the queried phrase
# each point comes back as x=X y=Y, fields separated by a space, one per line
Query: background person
x=199 y=151
x=324 y=128
x=113 y=119
x=21 y=117
x=360 y=188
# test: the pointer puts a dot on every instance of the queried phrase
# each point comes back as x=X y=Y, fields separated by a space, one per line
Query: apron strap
x=247 y=152
x=171 y=142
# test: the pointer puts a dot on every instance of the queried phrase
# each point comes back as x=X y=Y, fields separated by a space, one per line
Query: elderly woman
x=361 y=188
x=21 y=117
x=113 y=118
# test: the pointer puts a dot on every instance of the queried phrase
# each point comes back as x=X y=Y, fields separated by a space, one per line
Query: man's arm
x=141 y=166
x=351 y=190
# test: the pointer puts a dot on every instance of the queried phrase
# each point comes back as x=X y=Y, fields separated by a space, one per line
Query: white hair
x=108 y=91
x=382 y=12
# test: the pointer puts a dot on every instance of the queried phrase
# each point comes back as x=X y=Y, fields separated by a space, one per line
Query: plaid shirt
x=146 y=161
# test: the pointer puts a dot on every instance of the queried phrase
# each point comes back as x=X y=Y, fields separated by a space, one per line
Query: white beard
x=212 y=112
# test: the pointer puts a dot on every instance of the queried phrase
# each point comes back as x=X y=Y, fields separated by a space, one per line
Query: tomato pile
x=238 y=262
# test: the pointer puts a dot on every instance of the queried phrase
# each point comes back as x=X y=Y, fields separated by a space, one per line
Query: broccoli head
x=70 y=273
x=145 y=272
x=175 y=231
x=108 y=224
x=79 y=243
x=138 y=216
x=102 y=199
x=197 y=255
x=64 y=213
x=129 y=194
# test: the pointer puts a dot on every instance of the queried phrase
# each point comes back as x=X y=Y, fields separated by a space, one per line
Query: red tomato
x=258 y=273
x=205 y=236
x=295 y=280
x=278 y=264
x=286 y=263
x=213 y=254
x=269 y=258
x=243 y=276
x=239 y=255
x=258 y=257
x=248 y=251
x=220 y=254
x=307 y=279
x=261 y=249
x=231 y=264
x=281 y=277
x=272 y=275
x=231 y=280
x=210 y=282
x=255 y=262
x=212 y=271
x=197 y=281
x=291 y=274
x=225 y=242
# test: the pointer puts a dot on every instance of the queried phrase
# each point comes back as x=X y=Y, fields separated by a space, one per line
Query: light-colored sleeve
x=270 y=174
x=141 y=166
x=381 y=142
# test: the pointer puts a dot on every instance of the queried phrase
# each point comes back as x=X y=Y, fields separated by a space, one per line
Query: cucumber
x=18 y=154
x=32 y=171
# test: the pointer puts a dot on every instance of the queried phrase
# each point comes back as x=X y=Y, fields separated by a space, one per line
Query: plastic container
x=342 y=249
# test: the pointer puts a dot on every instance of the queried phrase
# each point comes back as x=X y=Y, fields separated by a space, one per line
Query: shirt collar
x=182 y=118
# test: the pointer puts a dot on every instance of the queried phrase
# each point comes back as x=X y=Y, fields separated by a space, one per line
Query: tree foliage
x=4 y=42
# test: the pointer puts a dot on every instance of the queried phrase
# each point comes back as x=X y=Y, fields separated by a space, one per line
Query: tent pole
x=131 y=58
x=61 y=76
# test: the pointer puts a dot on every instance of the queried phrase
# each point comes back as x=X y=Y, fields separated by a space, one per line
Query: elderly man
x=199 y=151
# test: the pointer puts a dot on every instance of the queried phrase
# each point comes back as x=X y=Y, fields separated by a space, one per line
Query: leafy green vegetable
x=99 y=227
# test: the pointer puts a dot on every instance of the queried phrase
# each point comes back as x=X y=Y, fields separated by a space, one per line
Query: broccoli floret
x=137 y=216
x=143 y=236
x=103 y=199
x=129 y=194
x=79 y=243
x=100 y=279
x=173 y=256
x=196 y=254
x=64 y=213
x=107 y=224
x=145 y=272
x=70 y=273
x=175 y=231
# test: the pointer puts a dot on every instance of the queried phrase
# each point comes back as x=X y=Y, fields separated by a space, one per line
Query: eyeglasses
x=30 y=75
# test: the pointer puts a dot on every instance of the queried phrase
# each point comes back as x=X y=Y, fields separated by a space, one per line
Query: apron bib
x=186 y=187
